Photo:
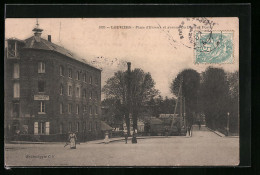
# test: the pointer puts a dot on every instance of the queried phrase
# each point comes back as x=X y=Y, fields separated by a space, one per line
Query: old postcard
x=122 y=91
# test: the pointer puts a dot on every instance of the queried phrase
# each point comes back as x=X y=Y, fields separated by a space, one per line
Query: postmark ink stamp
x=213 y=47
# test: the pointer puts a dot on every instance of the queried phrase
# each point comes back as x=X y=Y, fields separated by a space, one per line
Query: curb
x=91 y=142
x=102 y=142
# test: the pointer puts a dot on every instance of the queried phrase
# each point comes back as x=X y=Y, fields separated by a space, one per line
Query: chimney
x=129 y=67
x=49 y=38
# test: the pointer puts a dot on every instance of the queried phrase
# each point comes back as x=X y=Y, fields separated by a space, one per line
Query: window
x=61 y=71
x=69 y=108
x=77 y=92
x=16 y=73
x=90 y=126
x=84 y=93
x=61 y=89
x=70 y=126
x=70 y=73
x=90 y=80
x=90 y=95
x=84 y=77
x=41 y=107
x=77 y=109
x=41 y=128
x=77 y=127
x=69 y=90
x=96 y=80
x=61 y=108
x=16 y=90
x=41 y=67
x=16 y=110
x=96 y=95
x=96 y=110
x=90 y=110
x=84 y=126
x=85 y=108
x=96 y=127
x=77 y=75
x=41 y=85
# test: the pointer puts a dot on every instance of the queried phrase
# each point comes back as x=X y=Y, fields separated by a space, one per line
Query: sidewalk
x=220 y=134
x=129 y=139
x=95 y=141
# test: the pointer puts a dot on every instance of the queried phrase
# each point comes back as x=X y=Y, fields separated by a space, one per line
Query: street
x=203 y=148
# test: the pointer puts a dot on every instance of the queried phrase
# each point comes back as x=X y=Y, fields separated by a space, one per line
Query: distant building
x=49 y=91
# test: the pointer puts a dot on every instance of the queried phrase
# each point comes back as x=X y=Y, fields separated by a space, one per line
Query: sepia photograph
x=121 y=92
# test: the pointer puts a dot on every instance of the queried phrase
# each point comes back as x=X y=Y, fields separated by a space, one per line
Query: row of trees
x=213 y=93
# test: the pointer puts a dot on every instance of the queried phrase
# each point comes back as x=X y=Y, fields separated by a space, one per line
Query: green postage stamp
x=215 y=47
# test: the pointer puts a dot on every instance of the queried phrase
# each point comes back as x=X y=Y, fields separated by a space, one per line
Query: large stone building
x=49 y=91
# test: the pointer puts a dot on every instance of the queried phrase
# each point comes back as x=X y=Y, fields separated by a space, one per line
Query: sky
x=156 y=45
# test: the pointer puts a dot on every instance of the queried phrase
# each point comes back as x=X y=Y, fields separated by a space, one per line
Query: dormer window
x=12 y=49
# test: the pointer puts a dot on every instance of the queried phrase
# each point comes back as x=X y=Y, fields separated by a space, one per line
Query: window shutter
x=47 y=128
x=35 y=128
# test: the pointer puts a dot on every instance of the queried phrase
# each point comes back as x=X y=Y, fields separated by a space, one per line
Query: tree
x=190 y=80
x=141 y=90
x=158 y=105
x=233 y=82
x=112 y=111
x=215 y=97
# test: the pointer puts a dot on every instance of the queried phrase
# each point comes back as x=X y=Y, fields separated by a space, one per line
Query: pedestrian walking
x=106 y=138
x=199 y=124
x=134 y=140
x=126 y=136
x=72 y=139
x=166 y=131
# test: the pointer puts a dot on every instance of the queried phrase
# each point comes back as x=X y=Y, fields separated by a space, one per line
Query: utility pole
x=184 y=115
x=228 y=123
x=177 y=100
x=129 y=107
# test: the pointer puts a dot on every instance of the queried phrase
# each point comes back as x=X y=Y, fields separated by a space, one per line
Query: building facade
x=49 y=91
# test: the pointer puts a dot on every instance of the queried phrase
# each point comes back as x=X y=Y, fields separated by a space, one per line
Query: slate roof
x=44 y=44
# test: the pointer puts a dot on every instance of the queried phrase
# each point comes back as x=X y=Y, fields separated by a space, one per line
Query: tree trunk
x=134 y=121
x=127 y=121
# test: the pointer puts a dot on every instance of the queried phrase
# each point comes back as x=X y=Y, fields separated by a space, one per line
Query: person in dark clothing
x=126 y=137
x=199 y=124
x=166 y=131
x=134 y=140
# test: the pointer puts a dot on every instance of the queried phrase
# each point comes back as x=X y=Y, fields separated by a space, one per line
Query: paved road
x=203 y=148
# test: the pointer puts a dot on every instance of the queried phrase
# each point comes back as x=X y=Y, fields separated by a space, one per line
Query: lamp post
x=228 y=123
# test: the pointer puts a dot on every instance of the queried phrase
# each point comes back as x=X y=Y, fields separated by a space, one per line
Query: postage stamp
x=213 y=47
